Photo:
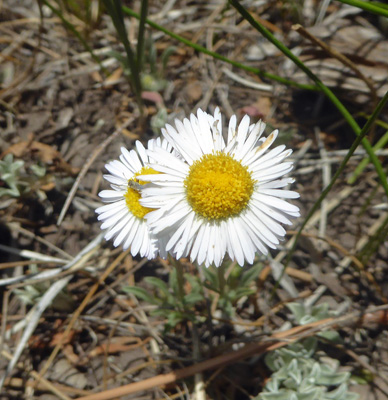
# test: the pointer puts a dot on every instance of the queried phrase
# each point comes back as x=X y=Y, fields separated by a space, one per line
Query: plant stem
x=181 y=281
x=115 y=11
x=221 y=278
x=354 y=146
x=357 y=172
x=373 y=7
x=140 y=36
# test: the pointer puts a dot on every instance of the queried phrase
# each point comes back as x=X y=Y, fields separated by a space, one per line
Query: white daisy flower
x=221 y=196
x=124 y=216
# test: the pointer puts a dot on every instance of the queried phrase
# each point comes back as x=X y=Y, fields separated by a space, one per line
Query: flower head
x=124 y=216
x=221 y=196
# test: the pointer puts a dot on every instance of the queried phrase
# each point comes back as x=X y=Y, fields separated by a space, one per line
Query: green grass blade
x=114 y=9
x=74 y=31
x=374 y=242
x=360 y=167
x=331 y=96
x=140 y=36
x=218 y=56
x=373 y=7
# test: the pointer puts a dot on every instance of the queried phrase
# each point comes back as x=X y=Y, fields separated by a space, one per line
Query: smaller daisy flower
x=124 y=216
x=222 y=196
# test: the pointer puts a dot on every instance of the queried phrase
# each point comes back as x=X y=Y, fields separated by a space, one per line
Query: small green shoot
x=167 y=300
x=238 y=284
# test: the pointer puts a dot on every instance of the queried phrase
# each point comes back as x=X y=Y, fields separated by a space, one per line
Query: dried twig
x=277 y=340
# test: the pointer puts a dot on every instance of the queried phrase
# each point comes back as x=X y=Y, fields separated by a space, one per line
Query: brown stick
x=164 y=379
x=345 y=60
x=272 y=343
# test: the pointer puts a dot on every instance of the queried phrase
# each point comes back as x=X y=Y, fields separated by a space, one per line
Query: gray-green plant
x=305 y=315
x=10 y=172
x=17 y=180
x=159 y=120
x=31 y=294
x=300 y=374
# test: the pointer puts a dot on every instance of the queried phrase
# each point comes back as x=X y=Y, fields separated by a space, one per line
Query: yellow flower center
x=218 y=186
x=132 y=196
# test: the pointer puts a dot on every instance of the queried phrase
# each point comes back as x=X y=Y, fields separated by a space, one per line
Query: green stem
x=221 y=278
x=218 y=56
x=181 y=281
x=114 y=8
x=331 y=96
x=373 y=7
x=360 y=167
x=324 y=193
x=355 y=144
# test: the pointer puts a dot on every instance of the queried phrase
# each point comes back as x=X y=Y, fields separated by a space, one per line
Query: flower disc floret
x=218 y=186
x=132 y=195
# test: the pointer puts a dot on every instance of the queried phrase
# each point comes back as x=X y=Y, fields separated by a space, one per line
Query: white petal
x=276 y=215
x=235 y=243
x=197 y=243
x=133 y=231
x=116 y=180
x=141 y=151
x=117 y=168
x=261 y=225
x=285 y=194
x=263 y=147
x=115 y=229
x=183 y=247
x=111 y=195
x=178 y=233
x=109 y=206
x=177 y=141
x=119 y=208
x=242 y=132
x=138 y=239
x=130 y=159
x=246 y=150
x=277 y=183
x=203 y=250
x=232 y=129
x=245 y=240
x=272 y=173
x=276 y=203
